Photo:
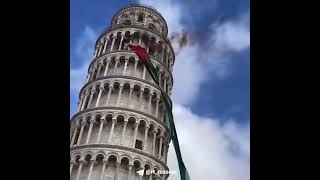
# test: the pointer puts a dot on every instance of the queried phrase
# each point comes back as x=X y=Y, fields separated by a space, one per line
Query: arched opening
x=159 y=51
x=128 y=140
x=152 y=27
x=126 y=40
x=99 y=159
x=130 y=67
x=144 y=41
x=124 y=164
x=152 y=47
x=141 y=17
x=87 y=158
x=136 y=167
x=117 y=42
x=127 y=22
x=135 y=38
x=110 y=42
x=121 y=63
x=77 y=158
x=147 y=171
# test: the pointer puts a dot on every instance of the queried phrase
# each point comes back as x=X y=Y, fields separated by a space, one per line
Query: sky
x=211 y=91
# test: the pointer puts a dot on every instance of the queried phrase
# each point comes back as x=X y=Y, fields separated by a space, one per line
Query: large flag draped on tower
x=143 y=55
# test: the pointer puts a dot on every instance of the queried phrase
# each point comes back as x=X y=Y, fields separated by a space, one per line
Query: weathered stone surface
x=121 y=121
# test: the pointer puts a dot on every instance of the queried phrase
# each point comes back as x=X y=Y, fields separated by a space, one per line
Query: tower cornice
x=117 y=147
x=133 y=54
x=138 y=5
x=119 y=108
x=118 y=76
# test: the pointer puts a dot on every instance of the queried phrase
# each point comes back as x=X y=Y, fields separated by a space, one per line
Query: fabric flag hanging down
x=143 y=55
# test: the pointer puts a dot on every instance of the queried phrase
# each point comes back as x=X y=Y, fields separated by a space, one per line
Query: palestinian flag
x=143 y=55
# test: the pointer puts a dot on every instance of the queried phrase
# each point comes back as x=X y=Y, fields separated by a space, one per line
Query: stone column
x=145 y=21
x=160 y=146
x=144 y=72
x=119 y=95
x=113 y=40
x=109 y=93
x=154 y=142
x=106 y=69
x=75 y=131
x=135 y=67
x=164 y=151
x=72 y=163
x=129 y=171
x=114 y=121
x=79 y=169
x=157 y=106
x=100 y=49
x=131 y=38
x=105 y=163
x=92 y=121
x=115 y=66
x=135 y=134
x=83 y=124
x=167 y=59
x=140 y=177
x=165 y=84
x=145 y=137
x=130 y=94
x=92 y=162
x=140 y=100
x=163 y=113
x=99 y=69
x=135 y=17
x=92 y=73
x=125 y=67
x=139 y=40
x=95 y=52
x=124 y=130
x=80 y=103
x=149 y=104
x=91 y=96
x=147 y=46
x=122 y=36
x=116 y=175
x=88 y=77
x=105 y=45
x=102 y=121
x=85 y=99
x=101 y=89
x=166 y=154
x=162 y=54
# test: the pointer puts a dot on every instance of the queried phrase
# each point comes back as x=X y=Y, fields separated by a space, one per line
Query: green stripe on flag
x=173 y=133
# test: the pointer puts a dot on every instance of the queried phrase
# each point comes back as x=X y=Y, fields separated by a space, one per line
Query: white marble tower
x=121 y=124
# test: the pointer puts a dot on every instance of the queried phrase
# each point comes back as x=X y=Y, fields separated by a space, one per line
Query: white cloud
x=210 y=150
x=188 y=75
x=232 y=35
x=202 y=59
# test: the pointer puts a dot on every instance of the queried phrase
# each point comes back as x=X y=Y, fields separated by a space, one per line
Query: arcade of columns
x=121 y=124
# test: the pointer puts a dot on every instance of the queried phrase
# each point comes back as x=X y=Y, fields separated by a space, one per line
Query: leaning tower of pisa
x=121 y=126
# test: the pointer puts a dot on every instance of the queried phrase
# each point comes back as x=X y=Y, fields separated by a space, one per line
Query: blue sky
x=211 y=75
